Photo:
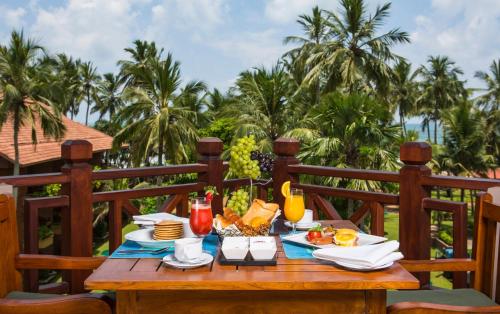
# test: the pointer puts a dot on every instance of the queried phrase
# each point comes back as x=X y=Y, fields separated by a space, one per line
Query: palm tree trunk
x=435 y=131
x=16 y=150
x=88 y=108
x=428 y=132
x=402 y=122
x=160 y=148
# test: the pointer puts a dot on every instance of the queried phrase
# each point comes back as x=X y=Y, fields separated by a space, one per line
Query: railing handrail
x=459 y=182
x=26 y=180
x=384 y=198
x=147 y=192
x=351 y=173
x=109 y=174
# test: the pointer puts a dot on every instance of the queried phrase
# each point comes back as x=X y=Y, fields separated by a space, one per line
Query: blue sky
x=216 y=39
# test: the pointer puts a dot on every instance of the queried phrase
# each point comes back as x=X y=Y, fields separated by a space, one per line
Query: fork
x=154 y=252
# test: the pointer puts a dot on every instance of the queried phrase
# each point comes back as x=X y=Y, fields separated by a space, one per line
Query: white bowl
x=235 y=247
x=262 y=248
x=144 y=237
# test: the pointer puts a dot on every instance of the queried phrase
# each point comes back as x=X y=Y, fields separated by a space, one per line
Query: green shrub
x=446 y=237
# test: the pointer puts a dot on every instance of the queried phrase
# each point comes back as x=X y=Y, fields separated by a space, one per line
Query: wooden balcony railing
x=76 y=200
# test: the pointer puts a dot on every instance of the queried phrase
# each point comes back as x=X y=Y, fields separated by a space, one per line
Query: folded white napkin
x=150 y=219
x=368 y=256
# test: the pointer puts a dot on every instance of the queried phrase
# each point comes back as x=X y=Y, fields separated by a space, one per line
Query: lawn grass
x=391 y=226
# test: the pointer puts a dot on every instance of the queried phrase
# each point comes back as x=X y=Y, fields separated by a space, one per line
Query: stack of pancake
x=168 y=230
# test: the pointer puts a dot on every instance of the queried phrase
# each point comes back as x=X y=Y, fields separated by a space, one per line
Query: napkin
x=367 y=256
x=151 y=219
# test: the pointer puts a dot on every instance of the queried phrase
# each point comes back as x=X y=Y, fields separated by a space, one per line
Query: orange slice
x=285 y=189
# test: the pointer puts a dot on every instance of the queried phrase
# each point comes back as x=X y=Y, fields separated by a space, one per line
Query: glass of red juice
x=201 y=217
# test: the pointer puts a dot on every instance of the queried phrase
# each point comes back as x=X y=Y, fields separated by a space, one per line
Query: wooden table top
x=289 y=274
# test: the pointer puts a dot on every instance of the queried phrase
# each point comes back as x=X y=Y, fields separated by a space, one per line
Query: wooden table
x=293 y=286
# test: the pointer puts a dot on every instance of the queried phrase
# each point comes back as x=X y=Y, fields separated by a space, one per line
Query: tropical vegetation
x=340 y=89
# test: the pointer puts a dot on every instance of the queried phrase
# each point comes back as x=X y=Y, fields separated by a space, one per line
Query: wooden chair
x=12 y=300
x=477 y=300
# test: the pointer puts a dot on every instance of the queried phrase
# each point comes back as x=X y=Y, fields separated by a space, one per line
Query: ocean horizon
x=423 y=135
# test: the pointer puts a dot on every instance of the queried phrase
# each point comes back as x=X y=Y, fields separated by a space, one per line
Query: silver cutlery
x=156 y=251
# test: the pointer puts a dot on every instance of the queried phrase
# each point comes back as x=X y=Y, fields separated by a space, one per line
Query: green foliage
x=148 y=205
x=464 y=143
x=222 y=128
x=44 y=232
x=52 y=189
x=446 y=237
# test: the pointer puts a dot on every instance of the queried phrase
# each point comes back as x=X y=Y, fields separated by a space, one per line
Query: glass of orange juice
x=294 y=206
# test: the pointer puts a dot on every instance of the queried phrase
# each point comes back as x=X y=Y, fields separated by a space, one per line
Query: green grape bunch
x=241 y=165
x=238 y=202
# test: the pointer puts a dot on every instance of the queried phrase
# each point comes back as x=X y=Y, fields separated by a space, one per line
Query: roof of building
x=47 y=149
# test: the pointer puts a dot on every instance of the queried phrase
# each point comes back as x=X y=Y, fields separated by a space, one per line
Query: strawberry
x=209 y=196
x=210 y=192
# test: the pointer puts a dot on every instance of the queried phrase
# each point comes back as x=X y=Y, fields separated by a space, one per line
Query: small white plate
x=303 y=226
x=144 y=237
x=203 y=260
x=363 y=239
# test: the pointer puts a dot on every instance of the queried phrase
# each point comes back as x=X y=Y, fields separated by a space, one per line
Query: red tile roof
x=47 y=149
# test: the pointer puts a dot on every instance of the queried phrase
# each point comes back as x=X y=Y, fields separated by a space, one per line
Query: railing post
x=285 y=150
x=414 y=220
x=77 y=219
x=209 y=153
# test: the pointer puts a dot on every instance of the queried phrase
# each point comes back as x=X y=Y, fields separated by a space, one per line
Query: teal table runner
x=296 y=251
x=210 y=244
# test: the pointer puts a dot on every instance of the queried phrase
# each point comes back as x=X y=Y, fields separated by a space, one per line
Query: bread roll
x=257 y=209
x=223 y=221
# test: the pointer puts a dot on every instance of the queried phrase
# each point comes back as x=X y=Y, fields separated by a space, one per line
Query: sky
x=215 y=40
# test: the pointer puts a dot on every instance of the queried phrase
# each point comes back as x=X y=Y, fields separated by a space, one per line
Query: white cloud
x=13 y=18
x=284 y=11
x=252 y=48
x=95 y=30
x=466 y=31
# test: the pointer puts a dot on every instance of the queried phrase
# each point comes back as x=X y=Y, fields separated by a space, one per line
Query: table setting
x=250 y=239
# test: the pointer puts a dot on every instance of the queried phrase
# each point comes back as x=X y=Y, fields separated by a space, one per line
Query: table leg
x=376 y=301
x=126 y=302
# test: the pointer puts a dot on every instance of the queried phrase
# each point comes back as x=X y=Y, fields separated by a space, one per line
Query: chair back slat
x=485 y=246
x=10 y=278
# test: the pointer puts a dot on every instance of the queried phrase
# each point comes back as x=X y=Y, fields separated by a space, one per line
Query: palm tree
x=403 y=91
x=262 y=104
x=21 y=100
x=63 y=82
x=151 y=120
x=315 y=33
x=89 y=79
x=349 y=131
x=464 y=145
x=491 y=97
x=193 y=97
x=355 y=56
x=108 y=96
x=140 y=54
x=441 y=88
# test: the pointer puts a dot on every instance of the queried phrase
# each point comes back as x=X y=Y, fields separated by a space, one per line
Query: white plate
x=358 y=267
x=304 y=226
x=363 y=239
x=144 y=237
x=204 y=260
x=354 y=266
